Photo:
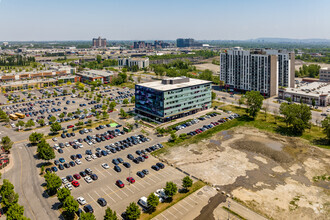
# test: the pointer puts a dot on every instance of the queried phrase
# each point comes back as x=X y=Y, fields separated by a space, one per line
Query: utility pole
x=228 y=208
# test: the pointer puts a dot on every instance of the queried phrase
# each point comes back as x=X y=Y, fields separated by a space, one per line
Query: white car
x=68 y=186
x=64 y=180
x=88 y=179
x=54 y=139
x=78 y=162
x=56 y=147
x=88 y=158
x=94 y=156
x=89 y=143
x=81 y=200
x=143 y=202
x=161 y=193
x=105 y=166
x=159 y=197
x=80 y=145
x=13 y=125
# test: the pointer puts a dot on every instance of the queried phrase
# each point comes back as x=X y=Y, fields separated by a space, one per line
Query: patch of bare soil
x=269 y=173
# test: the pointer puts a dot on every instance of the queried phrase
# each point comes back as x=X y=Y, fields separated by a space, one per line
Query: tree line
x=311 y=70
x=205 y=54
x=16 y=60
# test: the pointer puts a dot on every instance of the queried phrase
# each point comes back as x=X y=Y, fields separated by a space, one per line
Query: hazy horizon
x=82 y=20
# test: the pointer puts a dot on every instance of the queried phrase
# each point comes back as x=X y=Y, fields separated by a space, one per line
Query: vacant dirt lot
x=210 y=66
x=270 y=173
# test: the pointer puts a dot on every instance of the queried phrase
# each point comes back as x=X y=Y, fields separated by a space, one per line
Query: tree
x=20 y=124
x=313 y=102
x=55 y=127
x=9 y=197
x=296 y=115
x=41 y=122
x=214 y=95
x=73 y=91
x=187 y=182
x=139 y=79
x=98 y=59
x=123 y=113
x=6 y=143
x=152 y=201
x=253 y=102
x=70 y=114
x=105 y=115
x=170 y=189
x=15 y=212
x=87 y=216
x=30 y=123
x=35 y=137
x=62 y=194
x=241 y=101
x=112 y=105
x=174 y=137
x=53 y=182
x=133 y=99
x=110 y=215
x=52 y=119
x=133 y=211
x=326 y=126
x=70 y=205
x=45 y=151
x=61 y=115
x=125 y=101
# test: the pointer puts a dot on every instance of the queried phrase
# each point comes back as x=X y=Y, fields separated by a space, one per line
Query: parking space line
x=182 y=207
x=67 y=148
x=97 y=194
x=155 y=177
x=176 y=209
x=161 y=174
x=134 y=186
x=108 y=172
x=129 y=188
x=114 y=193
x=164 y=216
x=171 y=213
x=187 y=203
x=123 y=192
x=108 y=195
x=91 y=197
x=99 y=172
x=141 y=184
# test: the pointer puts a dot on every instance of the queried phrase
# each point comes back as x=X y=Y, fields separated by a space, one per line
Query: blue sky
x=163 y=19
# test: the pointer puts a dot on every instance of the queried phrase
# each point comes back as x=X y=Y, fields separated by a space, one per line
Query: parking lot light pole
x=228 y=208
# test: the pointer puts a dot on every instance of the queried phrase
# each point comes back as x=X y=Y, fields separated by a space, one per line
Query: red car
x=120 y=183
x=70 y=126
x=77 y=176
x=75 y=183
x=145 y=156
x=131 y=179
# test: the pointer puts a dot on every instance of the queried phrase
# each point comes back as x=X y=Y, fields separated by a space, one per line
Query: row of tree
x=9 y=200
x=311 y=70
x=16 y=60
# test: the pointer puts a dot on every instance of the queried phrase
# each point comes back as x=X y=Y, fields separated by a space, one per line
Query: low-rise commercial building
x=324 y=74
x=135 y=61
x=306 y=92
x=93 y=75
x=36 y=83
x=172 y=98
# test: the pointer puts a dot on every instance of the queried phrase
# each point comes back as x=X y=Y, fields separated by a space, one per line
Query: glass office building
x=172 y=98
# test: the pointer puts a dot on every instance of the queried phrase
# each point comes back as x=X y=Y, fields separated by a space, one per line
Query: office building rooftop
x=173 y=83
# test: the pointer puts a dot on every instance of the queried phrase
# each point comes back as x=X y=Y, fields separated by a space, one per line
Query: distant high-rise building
x=99 y=42
x=187 y=42
x=262 y=70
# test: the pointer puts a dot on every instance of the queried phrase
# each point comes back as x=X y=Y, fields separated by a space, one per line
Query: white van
x=143 y=202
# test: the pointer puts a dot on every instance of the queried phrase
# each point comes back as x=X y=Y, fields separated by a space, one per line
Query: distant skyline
x=42 y=20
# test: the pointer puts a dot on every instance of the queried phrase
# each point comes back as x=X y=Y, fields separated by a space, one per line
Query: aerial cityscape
x=164 y=110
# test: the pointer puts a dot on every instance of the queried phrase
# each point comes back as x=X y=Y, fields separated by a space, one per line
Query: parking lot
x=105 y=186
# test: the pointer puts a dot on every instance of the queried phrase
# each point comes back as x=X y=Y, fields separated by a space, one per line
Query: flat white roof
x=314 y=89
x=157 y=85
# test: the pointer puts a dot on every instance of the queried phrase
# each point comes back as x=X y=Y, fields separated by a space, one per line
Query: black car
x=83 y=173
x=94 y=176
x=88 y=171
x=160 y=165
x=140 y=174
x=73 y=134
x=56 y=162
x=135 y=160
x=141 y=159
x=72 y=163
x=61 y=167
x=127 y=165
x=66 y=165
x=88 y=208
x=120 y=160
x=73 y=157
x=63 y=136
x=98 y=154
x=155 y=167
x=102 y=202
x=117 y=168
x=88 y=152
x=49 y=170
x=145 y=171
x=138 y=152
x=115 y=161
x=68 y=134
x=69 y=178
x=130 y=156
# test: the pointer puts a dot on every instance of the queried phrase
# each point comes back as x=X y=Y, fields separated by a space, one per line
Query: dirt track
x=269 y=173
